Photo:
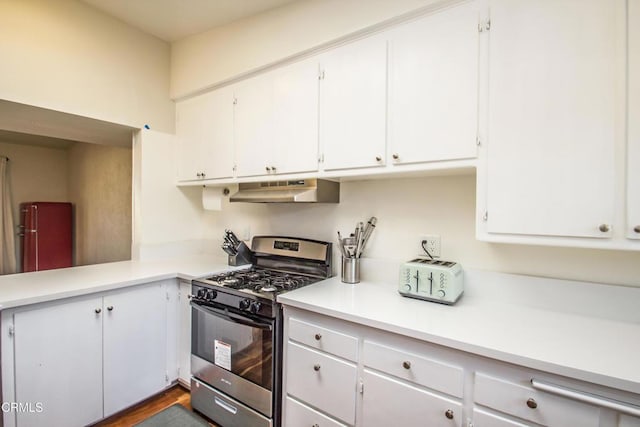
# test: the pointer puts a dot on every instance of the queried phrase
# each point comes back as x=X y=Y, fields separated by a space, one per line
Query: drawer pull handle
x=593 y=399
x=406 y=364
x=316 y=425
x=449 y=414
x=316 y=368
x=531 y=403
x=318 y=336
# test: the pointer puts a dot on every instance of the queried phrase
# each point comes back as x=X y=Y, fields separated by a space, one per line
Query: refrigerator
x=46 y=235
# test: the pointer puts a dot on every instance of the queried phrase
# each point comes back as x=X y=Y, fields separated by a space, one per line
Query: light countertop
x=586 y=331
x=30 y=288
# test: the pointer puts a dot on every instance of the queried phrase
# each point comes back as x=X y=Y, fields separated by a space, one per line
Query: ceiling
x=171 y=20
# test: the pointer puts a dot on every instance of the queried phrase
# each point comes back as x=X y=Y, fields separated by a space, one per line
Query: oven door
x=234 y=354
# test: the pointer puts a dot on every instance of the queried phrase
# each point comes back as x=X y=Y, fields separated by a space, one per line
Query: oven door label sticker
x=222 y=354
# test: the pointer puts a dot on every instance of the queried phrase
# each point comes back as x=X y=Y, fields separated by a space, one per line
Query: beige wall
x=100 y=188
x=36 y=174
x=206 y=59
x=66 y=56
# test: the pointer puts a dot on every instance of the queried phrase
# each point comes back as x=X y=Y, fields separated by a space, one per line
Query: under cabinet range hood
x=291 y=191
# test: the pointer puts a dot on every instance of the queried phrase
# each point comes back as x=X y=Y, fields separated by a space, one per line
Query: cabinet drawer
x=323 y=381
x=387 y=401
x=549 y=410
x=324 y=339
x=299 y=415
x=412 y=367
x=485 y=419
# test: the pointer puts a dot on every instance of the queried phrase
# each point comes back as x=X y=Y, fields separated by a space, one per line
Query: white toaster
x=431 y=280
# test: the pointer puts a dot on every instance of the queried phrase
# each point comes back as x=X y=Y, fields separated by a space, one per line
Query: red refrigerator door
x=47 y=242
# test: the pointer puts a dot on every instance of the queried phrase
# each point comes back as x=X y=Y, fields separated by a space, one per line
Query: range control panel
x=431 y=280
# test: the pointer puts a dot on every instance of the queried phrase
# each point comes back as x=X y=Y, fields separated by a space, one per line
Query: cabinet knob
x=273 y=168
x=98 y=310
x=406 y=364
x=449 y=414
x=110 y=308
x=316 y=367
x=378 y=159
x=316 y=425
x=203 y=174
x=395 y=156
x=198 y=174
x=605 y=228
x=531 y=403
x=268 y=169
x=318 y=336
x=636 y=228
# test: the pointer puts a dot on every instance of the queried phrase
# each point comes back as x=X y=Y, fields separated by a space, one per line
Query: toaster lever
x=430 y=283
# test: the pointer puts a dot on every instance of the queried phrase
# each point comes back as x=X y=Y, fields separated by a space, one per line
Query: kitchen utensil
x=431 y=280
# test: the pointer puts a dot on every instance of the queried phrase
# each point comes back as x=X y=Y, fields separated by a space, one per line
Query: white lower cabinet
x=79 y=360
x=299 y=414
x=344 y=373
x=58 y=364
x=323 y=381
x=184 y=334
x=134 y=345
x=389 y=402
x=522 y=401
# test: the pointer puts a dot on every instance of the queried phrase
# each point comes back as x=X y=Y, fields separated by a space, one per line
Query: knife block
x=242 y=257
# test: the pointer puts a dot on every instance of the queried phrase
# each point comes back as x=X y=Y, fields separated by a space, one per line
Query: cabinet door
x=551 y=117
x=135 y=346
x=353 y=104
x=387 y=402
x=184 y=346
x=433 y=90
x=633 y=123
x=321 y=380
x=58 y=363
x=254 y=125
x=295 y=118
x=204 y=126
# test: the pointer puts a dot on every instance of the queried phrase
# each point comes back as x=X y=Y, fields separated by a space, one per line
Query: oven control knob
x=201 y=294
x=211 y=294
x=244 y=304
x=255 y=307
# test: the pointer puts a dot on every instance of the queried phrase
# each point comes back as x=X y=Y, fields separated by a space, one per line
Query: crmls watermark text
x=30 y=407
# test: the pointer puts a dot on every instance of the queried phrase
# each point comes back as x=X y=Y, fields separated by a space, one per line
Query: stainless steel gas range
x=236 y=338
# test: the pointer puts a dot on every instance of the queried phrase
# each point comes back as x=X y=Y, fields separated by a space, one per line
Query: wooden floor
x=149 y=407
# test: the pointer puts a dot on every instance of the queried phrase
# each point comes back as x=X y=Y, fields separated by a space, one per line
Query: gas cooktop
x=260 y=281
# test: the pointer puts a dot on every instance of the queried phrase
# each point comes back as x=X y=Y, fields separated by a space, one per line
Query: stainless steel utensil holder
x=350 y=270
x=243 y=255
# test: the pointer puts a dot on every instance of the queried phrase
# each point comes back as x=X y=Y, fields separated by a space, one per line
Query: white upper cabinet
x=254 y=125
x=552 y=127
x=633 y=123
x=433 y=89
x=353 y=104
x=204 y=127
x=276 y=121
x=295 y=118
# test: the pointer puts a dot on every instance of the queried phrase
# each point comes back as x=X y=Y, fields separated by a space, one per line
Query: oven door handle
x=226 y=315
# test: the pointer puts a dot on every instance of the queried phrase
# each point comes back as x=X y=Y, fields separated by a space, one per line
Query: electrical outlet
x=432 y=245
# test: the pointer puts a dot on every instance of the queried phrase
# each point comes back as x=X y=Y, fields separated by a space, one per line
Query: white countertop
x=586 y=331
x=30 y=288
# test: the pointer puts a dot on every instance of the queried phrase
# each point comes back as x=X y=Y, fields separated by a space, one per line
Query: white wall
x=206 y=59
x=66 y=56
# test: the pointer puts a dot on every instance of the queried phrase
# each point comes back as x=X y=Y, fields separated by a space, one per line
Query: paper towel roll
x=211 y=199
